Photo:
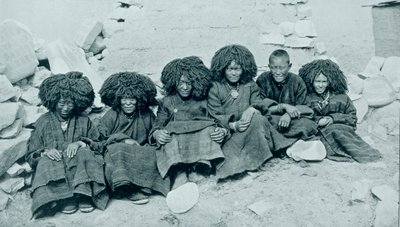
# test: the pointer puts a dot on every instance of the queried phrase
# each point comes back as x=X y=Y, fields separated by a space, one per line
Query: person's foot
x=70 y=206
x=138 y=198
x=180 y=179
x=86 y=205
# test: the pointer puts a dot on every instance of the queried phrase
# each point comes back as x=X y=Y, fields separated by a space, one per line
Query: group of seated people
x=218 y=121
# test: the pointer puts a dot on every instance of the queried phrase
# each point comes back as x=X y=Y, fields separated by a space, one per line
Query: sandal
x=85 y=205
x=139 y=198
x=70 y=206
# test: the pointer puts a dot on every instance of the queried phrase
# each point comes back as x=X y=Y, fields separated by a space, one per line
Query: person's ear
x=290 y=65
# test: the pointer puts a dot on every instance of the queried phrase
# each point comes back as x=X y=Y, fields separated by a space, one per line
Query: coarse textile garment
x=56 y=180
x=190 y=125
x=341 y=141
x=130 y=163
x=292 y=91
x=246 y=150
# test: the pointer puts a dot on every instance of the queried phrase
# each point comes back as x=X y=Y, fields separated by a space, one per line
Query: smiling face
x=279 y=67
x=65 y=108
x=233 y=72
x=128 y=105
x=184 y=87
x=320 y=84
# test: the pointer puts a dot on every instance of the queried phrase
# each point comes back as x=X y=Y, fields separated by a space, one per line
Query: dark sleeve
x=261 y=84
x=97 y=145
x=215 y=108
x=301 y=92
x=35 y=145
x=348 y=116
x=160 y=121
x=259 y=103
x=106 y=124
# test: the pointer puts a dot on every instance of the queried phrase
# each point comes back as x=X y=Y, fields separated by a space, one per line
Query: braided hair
x=128 y=85
x=191 y=67
x=336 y=79
x=70 y=85
x=241 y=55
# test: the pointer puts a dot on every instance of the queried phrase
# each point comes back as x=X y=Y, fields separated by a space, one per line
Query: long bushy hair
x=128 y=85
x=336 y=79
x=241 y=55
x=194 y=69
x=70 y=85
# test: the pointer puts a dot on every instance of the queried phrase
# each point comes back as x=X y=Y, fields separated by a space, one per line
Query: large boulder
x=32 y=113
x=7 y=91
x=373 y=67
x=378 y=91
x=17 y=51
x=13 y=149
x=388 y=117
x=31 y=96
x=87 y=33
x=391 y=70
x=13 y=130
x=9 y=113
x=40 y=75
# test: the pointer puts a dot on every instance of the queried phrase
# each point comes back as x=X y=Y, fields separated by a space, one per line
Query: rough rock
x=386 y=214
x=31 y=96
x=32 y=114
x=286 y=28
x=118 y=14
x=305 y=28
x=7 y=91
x=17 y=51
x=261 y=207
x=299 y=42
x=274 y=37
x=40 y=51
x=28 y=180
x=12 y=185
x=362 y=108
x=13 y=149
x=87 y=33
x=111 y=27
x=355 y=84
x=9 y=116
x=385 y=193
x=13 y=130
x=373 y=67
x=391 y=70
x=312 y=150
x=304 y=12
x=388 y=117
x=40 y=75
x=359 y=191
x=320 y=48
x=64 y=57
x=98 y=45
x=378 y=91
x=16 y=169
x=105 y=53
x=183 y=198
x=4 y=199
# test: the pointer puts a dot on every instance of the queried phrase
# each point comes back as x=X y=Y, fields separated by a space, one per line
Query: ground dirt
x=316 y=195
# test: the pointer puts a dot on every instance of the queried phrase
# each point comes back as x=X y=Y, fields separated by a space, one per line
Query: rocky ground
x=282 y=193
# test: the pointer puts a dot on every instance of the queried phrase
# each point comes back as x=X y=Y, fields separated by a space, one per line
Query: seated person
x=335 y=113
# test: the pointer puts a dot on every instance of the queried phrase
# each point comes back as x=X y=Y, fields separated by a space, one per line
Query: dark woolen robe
x=82 y=174
x=340 y=139
x=190 y=125
x=126 y=163
x=246 y=150
x=292 y=91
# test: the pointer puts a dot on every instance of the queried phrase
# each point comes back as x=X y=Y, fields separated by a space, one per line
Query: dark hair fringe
x=336 y=79
x=279 y=53
x=194 y=69
x=70 y=85
x=128 y=85
x=241 y=55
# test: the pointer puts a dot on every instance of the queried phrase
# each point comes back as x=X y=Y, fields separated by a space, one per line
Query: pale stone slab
x=299 y=42
x=274 y=37
x=320 y=48
x=360 y=191
x=355 y=84
x=7 y=91
x=378 y=91
x=8 y=114
x=373 y=67
x=385 y=193
x=286 y=28
x=388 y=117
x=261 y=207
x=386 y=214
x=312 y=150
x=13 y=149
x=12 y=185
x=4 y=199
x=304 y=12
x=32 y=113
x=391 y=70
x=15 y=170
x=305 y=28
x=17 y=51
x=13 y=130
x=40 y=75
x=31 y=96
x=110 y=27
x=98 y=45
x=87 y=33
x=183 y=198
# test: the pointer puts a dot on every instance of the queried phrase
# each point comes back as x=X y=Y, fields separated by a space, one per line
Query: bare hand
x=240 y=125
x=131 y=142
x=284 y=121
x=292 y=111
x=325 y=121
x=53 y=154
x=73 y=148
x=248 y=114
x=218 y=135
x=162 y=136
